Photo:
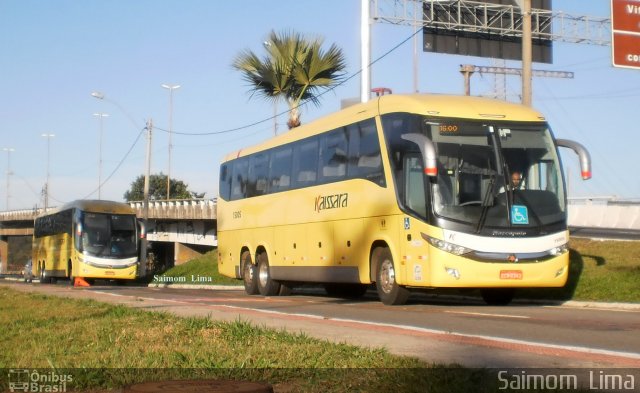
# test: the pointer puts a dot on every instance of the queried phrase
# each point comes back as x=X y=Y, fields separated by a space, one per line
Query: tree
x=295 y=69
x=158 y=189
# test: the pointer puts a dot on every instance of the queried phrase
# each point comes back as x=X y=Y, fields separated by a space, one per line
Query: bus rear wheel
x=389 y=291
x=249 y=276
x=266 y=285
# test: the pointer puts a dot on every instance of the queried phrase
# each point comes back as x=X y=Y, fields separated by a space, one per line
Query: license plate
x=511 y=274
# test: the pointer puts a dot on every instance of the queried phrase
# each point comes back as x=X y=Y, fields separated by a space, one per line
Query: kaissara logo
x=331 y=201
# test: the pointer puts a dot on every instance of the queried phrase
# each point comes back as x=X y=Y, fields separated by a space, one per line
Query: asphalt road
x=435 y=329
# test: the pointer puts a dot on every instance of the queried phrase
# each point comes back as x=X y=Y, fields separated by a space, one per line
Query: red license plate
x=511 y=274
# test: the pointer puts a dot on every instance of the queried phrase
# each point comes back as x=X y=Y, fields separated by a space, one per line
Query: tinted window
x=305 y=162
x=333 y=157
x=258 y=171
x=225 y=181
x=240 y=179
x=365 y=160
x=280 y=171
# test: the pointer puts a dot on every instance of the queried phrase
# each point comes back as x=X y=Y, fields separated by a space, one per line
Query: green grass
x=606 y=271
x=202 y=271
x=105 y=347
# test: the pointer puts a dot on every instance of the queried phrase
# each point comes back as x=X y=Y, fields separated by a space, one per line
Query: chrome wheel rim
x=387 y=276
x=264 y=274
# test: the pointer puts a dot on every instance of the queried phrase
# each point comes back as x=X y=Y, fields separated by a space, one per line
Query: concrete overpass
x=178 y=231
x=182 y=229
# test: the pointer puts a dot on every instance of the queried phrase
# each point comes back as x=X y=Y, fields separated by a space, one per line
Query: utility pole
x=365 y=50
x=9 y=150
x=466 y=71
x=526 y=52
x=145 y=206
x=46 y=185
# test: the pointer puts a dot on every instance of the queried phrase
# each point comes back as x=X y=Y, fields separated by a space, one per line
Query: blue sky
x=55 y=53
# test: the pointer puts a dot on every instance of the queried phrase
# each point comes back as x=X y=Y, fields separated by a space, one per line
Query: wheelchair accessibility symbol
x=519 y=215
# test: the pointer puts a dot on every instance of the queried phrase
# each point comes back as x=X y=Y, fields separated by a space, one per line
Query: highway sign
x=625 y=30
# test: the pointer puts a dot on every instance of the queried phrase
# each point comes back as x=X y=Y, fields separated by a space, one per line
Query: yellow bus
x=405 y=191
x=89 y=239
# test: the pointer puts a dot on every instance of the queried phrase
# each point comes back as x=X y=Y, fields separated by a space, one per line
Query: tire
x=71 y=277
x=44 y=279
x=497 y=296
x=266 y=285
x=390 y=293
x=347 y=291
x=249 y=274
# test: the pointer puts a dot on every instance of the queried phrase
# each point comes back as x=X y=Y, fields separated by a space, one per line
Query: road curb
x=538 y=302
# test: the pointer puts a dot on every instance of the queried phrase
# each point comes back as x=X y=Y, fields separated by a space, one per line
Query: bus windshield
x=490 y=174
x=109 y=235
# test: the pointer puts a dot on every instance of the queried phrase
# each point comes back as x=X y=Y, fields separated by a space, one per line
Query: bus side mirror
x=583 y=154
x=427 y=150
x=143 y=230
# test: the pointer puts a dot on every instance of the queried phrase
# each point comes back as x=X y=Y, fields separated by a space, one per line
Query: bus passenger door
x=413 y=249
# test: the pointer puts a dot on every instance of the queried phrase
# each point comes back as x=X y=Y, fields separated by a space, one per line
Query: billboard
x=489 y=28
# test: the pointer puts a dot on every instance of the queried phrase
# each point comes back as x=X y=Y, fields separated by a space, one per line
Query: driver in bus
x=516 y=180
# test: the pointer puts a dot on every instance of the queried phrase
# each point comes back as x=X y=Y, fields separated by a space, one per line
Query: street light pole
x=46 y=184
x=9 y=173
x=142 y=272
x=101 y=116
x=171 y=88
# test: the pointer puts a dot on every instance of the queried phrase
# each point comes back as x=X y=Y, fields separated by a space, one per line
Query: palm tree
x=295 y=70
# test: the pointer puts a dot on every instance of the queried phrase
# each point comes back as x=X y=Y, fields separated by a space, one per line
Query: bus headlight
x=446 y=246
x=559 y=250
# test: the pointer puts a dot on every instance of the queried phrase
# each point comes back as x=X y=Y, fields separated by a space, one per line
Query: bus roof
x=95 y=206
x=437 y=105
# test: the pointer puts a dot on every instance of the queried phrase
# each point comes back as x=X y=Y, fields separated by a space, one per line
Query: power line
x=117 y=166
x=303 y=103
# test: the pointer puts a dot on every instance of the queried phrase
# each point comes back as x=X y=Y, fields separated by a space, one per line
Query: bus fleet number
x=237 y=214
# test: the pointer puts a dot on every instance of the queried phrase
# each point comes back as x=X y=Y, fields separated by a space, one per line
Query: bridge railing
x=179 y=209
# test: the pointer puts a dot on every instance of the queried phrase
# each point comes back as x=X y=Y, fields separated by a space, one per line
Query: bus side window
x=225 y=181
x=305 y=162
x=239 y=179
x=258 y=171
x=280 y=169
x=333 y=155
x=365 y=160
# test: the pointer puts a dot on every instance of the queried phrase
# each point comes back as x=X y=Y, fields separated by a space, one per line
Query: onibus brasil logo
x=24 y=380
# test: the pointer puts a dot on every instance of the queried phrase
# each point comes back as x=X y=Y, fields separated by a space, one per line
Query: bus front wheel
x=389 y=291
x=44 y=279
x=71 y=277
x=249 y=276
x=266 y=285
